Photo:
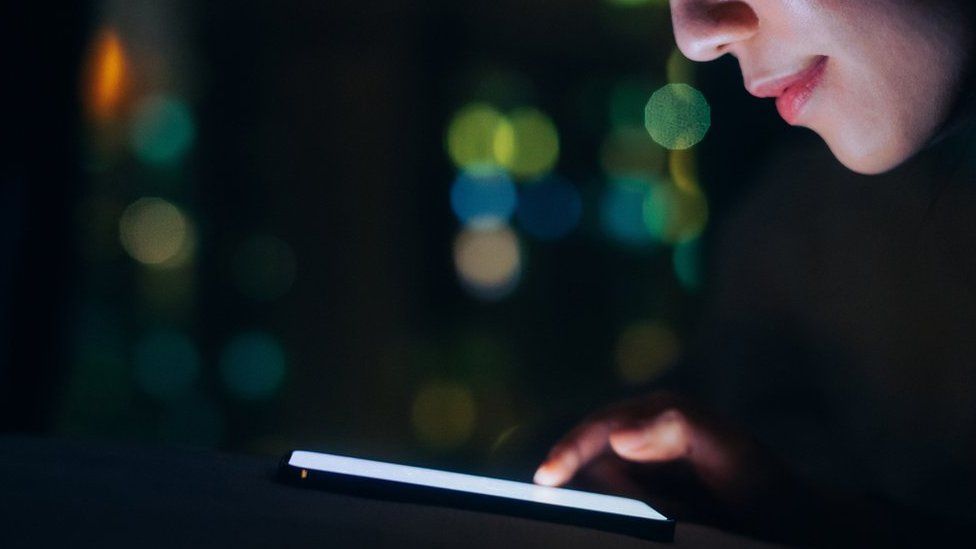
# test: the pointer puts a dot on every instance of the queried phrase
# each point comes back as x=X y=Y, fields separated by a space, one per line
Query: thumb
x=666 y=437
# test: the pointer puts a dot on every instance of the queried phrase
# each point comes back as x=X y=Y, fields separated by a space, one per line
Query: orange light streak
x=108 y=75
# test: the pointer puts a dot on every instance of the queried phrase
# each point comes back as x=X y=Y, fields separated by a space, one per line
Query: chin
x=866 y=158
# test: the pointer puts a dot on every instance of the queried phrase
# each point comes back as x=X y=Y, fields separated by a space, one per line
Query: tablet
x=417 y=484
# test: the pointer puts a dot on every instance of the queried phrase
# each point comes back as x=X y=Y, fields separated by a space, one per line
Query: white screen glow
x=473 y=484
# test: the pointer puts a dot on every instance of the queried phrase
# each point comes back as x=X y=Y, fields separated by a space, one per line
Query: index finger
x=572 y=452
x=592 y=437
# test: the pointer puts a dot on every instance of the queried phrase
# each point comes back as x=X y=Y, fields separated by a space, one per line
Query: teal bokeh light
x=163 y=130
x=252 y=366
x=687 y=261
x=622 y=211
x=166 y=364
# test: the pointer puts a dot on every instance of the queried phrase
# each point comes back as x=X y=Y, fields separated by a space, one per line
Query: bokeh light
x=154 y=232
x=679 y=69
x=644 y=351
x=673 y=215
x=627 y=100
x=166 y=364
x=483 y=196
x=549 y=209
x=677 y=116
x=488 y=261
x=443 y=414
x=627 y=152
x=622 y=211
x=264 y=267
x=536 y=144
x=107 y=76
x=683 y=167
x=252 y=366
x=163 y=130
x=687 y=262
x=478 y=135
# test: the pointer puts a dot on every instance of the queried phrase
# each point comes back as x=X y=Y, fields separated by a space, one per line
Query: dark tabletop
x=90 y=494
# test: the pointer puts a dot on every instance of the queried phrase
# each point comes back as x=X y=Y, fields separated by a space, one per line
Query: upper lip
x=775 y=86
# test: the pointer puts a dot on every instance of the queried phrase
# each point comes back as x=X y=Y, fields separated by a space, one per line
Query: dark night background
x=312 y=297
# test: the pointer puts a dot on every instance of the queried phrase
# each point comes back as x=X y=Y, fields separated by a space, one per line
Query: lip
x=792 y=92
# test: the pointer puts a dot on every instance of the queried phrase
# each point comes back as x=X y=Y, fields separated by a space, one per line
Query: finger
x=591 y=438
x=667 y=436
x=573 y=452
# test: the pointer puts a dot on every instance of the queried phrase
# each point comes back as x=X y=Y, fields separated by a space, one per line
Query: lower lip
x=790 y=105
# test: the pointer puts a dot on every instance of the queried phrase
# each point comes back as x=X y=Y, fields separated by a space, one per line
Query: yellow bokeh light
x=479 y=135
x=674 y=215
x=627 y=152
x=488 y=260
x=535 y=148
x=683 y=167
x=644 y=351
x=107 y=75
x=679 y=68
x=155 y=232
x=677 y=116
x=443 y=414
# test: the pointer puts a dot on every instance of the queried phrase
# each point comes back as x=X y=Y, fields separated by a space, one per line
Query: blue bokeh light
x=549 y=208
x=622 y=211
x=166 y=364
x=483 y=195
x=253 y=365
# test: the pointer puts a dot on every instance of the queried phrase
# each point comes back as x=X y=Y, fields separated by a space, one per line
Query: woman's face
x=875 y=78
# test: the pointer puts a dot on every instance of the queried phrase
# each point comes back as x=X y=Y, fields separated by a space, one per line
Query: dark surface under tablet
x=91 y=494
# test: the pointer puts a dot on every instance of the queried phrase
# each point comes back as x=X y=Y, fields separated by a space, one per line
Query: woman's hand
x=752 y=490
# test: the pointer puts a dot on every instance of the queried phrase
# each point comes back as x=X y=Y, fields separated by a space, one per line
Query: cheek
x=892 y=84
x=863 y=119
x=882 y=103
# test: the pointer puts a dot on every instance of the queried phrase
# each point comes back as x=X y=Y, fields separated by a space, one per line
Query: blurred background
x=441 y=232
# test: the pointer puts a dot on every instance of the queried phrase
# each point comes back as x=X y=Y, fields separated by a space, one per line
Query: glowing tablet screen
x=472 y=484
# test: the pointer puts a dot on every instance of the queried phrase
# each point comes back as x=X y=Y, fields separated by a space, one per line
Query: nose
x=707 y=29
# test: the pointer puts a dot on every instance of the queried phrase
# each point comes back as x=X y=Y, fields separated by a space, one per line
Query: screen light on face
x=473 y=484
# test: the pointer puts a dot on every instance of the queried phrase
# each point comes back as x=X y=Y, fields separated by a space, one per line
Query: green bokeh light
x=253 y=366
x=674 y=216
x=479 y=135
x=627 y=100
x=677 y=116
x=162 y=130
x=536 y=144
